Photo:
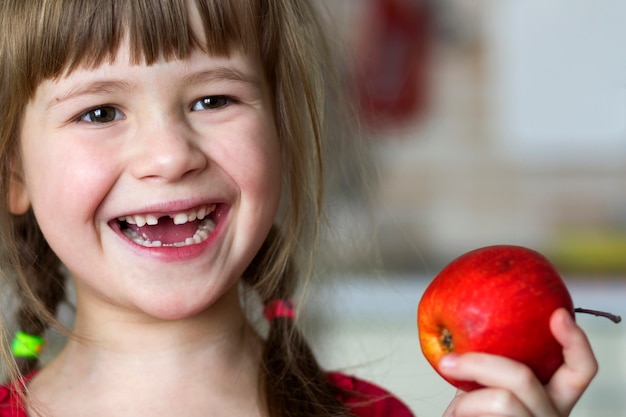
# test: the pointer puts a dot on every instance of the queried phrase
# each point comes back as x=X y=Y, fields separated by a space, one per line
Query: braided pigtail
x=293 y=382
x=41 y=289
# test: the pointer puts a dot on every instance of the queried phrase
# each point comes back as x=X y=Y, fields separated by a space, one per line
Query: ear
x=19 y=202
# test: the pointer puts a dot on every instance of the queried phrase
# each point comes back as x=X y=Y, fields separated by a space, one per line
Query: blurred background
x=483 y=122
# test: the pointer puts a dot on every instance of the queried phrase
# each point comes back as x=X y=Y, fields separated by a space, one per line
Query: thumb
x=579 y=367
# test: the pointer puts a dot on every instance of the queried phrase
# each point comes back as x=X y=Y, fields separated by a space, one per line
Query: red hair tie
x=279 y=308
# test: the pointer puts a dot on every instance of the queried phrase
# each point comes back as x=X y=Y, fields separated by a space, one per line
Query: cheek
x=265 y=183
x=265 y=177
x=253 y=160
x=65 y=182
x=260 y=187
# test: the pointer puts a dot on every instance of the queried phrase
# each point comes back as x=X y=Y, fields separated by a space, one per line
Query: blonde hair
x=45 y=39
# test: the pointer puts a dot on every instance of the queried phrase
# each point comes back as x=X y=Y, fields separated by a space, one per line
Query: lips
x=178 y=229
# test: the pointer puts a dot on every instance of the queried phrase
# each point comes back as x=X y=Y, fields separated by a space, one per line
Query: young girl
x=169 y=155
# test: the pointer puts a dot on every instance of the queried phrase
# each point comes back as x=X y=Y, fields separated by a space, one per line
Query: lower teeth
x=205 y=228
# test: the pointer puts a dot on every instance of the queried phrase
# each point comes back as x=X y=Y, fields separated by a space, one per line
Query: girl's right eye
x=103 y=114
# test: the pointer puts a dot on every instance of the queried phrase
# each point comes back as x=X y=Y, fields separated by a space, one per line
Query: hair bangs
x=84 y=33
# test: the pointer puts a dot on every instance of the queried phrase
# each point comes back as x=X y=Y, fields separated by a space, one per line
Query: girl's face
x=155 y=185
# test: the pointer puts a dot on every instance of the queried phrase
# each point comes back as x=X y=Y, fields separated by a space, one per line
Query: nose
x=167 y=152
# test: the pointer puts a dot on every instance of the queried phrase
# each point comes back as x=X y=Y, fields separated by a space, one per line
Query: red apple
x=497 y=300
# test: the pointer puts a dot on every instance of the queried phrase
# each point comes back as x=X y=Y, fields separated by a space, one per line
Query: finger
x=449 y=412
x=488 y=402
x=502 y=373
x=580 y=366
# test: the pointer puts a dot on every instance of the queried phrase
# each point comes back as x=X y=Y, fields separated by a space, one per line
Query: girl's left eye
x=211 y=103
x=103 y=114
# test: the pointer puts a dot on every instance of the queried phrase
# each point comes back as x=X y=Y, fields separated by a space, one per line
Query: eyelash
x=114 y=114
x=209 y=101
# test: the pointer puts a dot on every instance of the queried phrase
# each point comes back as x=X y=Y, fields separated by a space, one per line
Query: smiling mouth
x=180 y=229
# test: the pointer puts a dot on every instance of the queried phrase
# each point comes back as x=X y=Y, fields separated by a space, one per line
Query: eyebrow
x=221 y=74
x=92 y=88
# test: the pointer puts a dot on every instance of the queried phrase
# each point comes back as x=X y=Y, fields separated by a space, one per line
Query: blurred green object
x=589 y=252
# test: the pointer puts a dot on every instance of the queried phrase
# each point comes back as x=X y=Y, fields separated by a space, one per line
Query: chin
x=173 y=305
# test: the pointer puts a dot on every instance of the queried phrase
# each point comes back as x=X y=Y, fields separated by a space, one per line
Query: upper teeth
x=178 y=218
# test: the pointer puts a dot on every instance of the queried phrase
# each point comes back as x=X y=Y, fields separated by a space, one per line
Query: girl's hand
x=512 y=389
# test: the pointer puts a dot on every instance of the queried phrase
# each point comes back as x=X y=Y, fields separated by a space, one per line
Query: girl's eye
x=210 y=103
x=104 y=114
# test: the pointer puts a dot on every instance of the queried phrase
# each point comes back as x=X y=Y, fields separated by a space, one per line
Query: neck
x=215 y=352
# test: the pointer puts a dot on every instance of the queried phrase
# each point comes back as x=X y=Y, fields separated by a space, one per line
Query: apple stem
x=612 y=317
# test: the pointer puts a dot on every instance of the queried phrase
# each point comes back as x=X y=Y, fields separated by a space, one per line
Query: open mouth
x=185 y=228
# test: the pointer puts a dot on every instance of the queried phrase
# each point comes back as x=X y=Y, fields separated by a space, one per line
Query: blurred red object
x=392 y=62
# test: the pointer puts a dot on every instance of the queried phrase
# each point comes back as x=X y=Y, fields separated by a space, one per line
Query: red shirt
x=369 y=400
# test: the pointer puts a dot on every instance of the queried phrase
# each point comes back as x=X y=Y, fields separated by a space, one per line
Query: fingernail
x=449 y=361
